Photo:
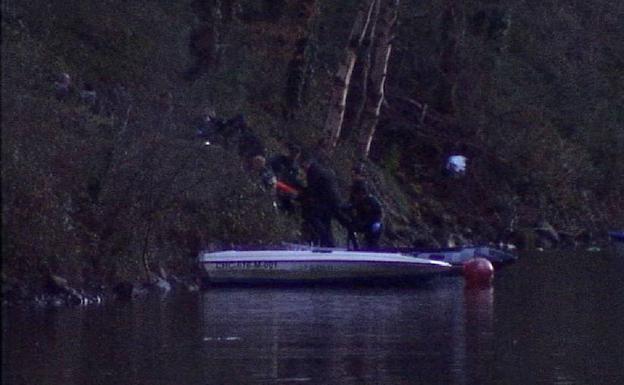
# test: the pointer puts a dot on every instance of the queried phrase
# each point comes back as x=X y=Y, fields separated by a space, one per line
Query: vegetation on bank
x=532 y=93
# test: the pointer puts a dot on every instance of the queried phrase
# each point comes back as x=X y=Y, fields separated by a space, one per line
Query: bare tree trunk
x=377 y=79
x=299 y=64
x=448 y=60
x=205 y=38
x=342 y=78
x=145 y=254
x=358 y=92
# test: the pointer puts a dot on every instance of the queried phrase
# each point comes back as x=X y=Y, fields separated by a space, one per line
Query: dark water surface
x=549 y=319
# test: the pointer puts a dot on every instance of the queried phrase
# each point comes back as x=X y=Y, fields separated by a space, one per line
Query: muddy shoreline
x=55 y=291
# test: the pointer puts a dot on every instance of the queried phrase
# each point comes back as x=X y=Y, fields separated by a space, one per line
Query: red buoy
x=478 y=272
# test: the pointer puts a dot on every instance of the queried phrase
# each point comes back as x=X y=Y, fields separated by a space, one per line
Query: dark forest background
x=532 y=92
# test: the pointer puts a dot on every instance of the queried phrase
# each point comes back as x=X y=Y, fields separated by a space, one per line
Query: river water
x=551 y=318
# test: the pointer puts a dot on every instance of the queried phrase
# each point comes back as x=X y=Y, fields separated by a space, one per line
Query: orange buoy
x=478 y=272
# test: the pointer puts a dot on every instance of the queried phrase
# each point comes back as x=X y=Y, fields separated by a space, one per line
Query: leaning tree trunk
x=448 y=60
x=342 y=78
x=356 y=100
x=299 y=64
x=377 y=79
x=205 y=37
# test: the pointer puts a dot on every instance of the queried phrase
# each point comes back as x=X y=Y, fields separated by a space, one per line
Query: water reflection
x=479 y=334
x=149 y=342
x=550 y=319
x=349 y=336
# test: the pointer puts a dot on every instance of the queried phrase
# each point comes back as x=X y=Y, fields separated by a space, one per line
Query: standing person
x=287 y=170
x=366 y=214
x=320 y=203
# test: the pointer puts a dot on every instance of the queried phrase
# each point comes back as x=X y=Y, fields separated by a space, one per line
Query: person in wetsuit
x=366 y=214
x=320 y=203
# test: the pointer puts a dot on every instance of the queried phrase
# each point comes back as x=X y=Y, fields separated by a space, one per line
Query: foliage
x=537 y=108
x=115 y=187
x=106 y=189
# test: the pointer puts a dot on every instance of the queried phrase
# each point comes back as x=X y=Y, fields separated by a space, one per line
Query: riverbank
x=106 y=184
x=54 y=291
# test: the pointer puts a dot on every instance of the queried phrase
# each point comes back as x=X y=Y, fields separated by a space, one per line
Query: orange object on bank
x=285 y=188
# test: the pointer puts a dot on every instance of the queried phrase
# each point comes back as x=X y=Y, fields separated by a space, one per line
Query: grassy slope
x=103 y=193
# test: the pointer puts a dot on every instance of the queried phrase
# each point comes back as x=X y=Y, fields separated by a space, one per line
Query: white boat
x=315 y=265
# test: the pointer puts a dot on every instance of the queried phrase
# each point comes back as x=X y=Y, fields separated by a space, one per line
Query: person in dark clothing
x=267 y=177
x=287 y=167
x=249 y=143
x=88 y=95
x=230 y=132
x=358 y=172
x=287 y=170
x=320 y=203
x=209 y=127
x=366 y=213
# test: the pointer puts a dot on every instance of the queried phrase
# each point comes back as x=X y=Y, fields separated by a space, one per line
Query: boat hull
x=456 y=256
x=306 y=267
x=617 y=238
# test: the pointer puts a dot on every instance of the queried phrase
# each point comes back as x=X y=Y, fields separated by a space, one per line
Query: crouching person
x=366 y=213
x=267 y=177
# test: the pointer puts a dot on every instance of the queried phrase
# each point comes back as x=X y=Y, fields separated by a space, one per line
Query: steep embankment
x=110 y=186
x=110 y=189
